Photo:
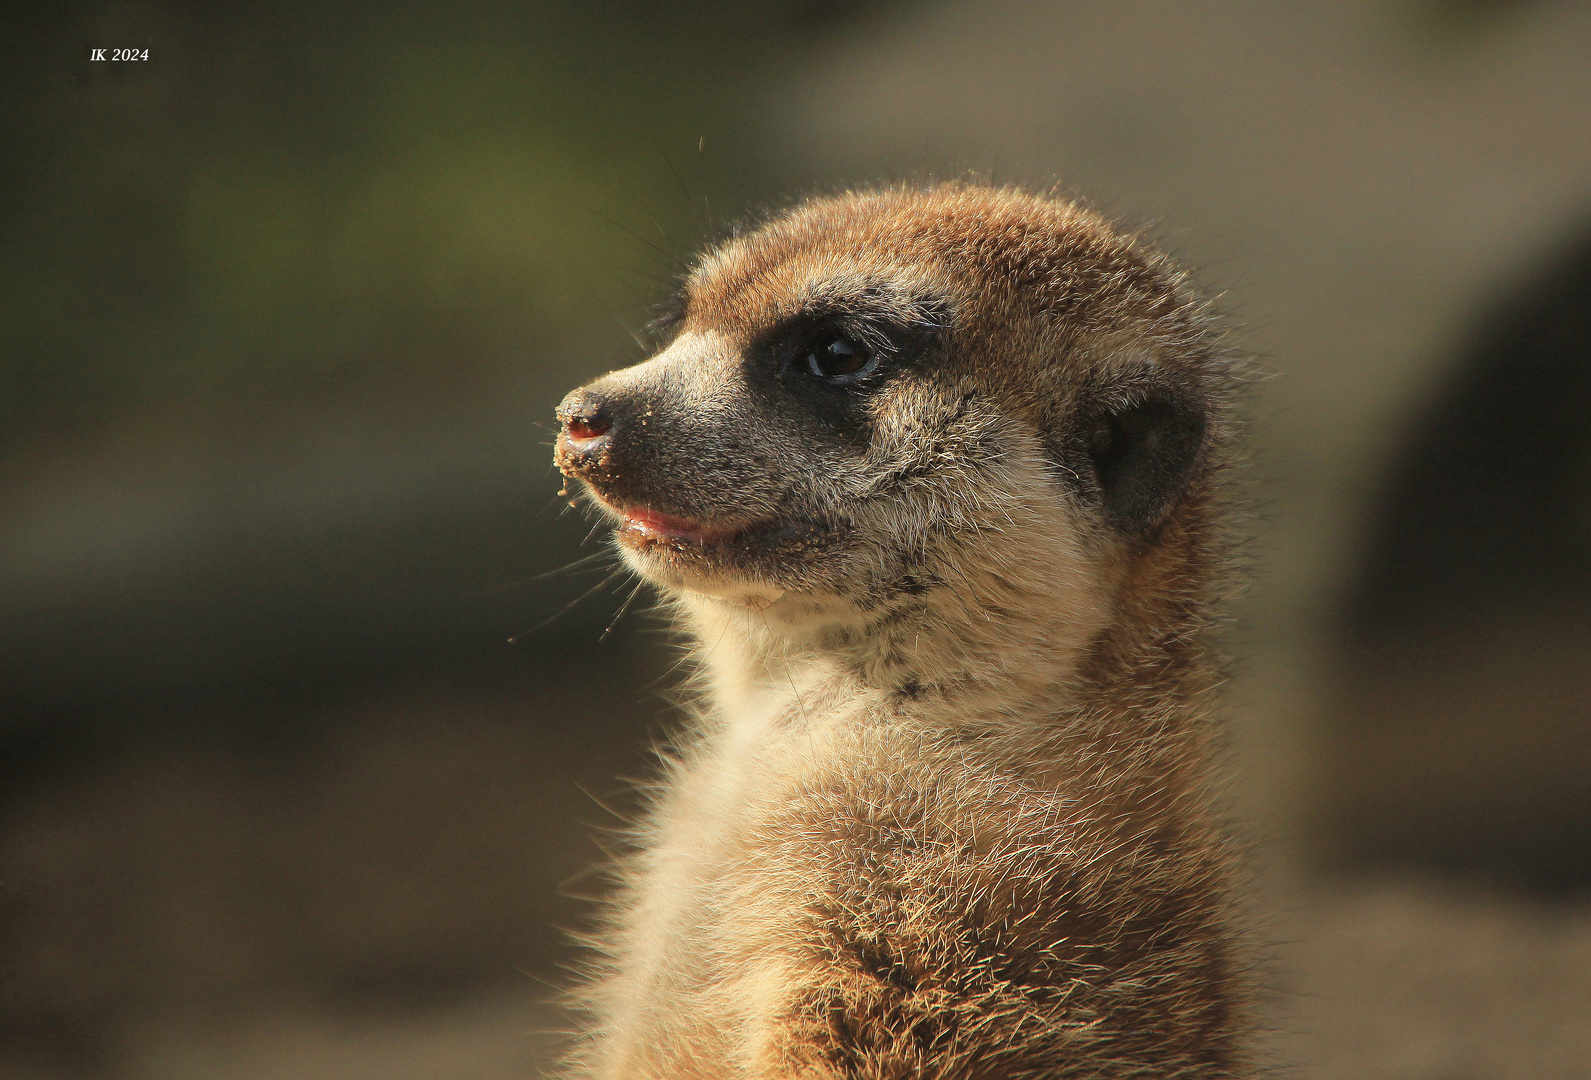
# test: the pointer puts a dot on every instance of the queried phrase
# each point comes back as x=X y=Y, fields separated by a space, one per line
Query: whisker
x=566 y=568
x=576 y=567
x=567 y=607
x=672 y=257
x=658 y=225
x=565 y=500
x=667 y=283
x=640 y=341
x=628 y=600
x=594 y=797
x=690 y=200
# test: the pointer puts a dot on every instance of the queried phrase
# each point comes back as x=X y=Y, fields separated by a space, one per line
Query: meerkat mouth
x=716 y=561
x=750 y=562
x=640 y=526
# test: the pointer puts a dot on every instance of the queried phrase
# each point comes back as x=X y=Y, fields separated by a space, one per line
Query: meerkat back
x=930 y=476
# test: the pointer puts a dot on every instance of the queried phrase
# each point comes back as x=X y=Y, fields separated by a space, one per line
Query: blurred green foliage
x=295 y=202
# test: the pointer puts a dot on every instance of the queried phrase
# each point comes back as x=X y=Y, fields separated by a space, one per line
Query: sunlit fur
x=940 y=810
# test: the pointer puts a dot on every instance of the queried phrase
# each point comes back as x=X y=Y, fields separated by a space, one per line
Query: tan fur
x=941 y=811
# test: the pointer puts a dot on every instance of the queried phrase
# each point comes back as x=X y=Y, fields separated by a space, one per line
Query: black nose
x=585 y=415
x=587 y=443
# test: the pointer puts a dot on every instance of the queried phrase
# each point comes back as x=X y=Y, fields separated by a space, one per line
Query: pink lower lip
x=652 y=523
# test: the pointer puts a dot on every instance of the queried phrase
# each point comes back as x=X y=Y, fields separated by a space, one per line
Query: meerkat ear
x=1144 y=456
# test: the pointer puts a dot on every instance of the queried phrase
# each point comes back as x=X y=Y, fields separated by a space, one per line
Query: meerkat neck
x=1017 y=655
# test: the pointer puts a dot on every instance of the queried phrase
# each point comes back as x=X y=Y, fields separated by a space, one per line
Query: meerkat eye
x=834 y=356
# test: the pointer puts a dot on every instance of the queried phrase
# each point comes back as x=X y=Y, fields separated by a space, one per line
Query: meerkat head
x=879 y=393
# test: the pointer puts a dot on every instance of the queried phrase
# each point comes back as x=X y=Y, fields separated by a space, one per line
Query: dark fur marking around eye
x=889 y=308
x=893 y=323
x=1143 y=457
x=831 y=410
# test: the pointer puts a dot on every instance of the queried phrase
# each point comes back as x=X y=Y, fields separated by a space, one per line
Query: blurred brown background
x=286 y=308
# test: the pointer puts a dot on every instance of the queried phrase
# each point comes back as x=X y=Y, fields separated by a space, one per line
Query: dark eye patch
x=865 y=338
x=884 y=324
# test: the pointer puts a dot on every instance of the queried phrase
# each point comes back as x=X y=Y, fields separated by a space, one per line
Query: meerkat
x=930 y=477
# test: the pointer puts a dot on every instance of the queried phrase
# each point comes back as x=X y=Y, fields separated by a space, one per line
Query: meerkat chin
x=931 y=476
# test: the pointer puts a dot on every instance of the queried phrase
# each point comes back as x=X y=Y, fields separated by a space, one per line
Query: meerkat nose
x=585 y=416
x=588 y=430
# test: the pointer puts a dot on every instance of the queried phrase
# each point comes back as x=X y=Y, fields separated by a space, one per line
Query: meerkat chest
x=760 y=746
x=708 y=835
